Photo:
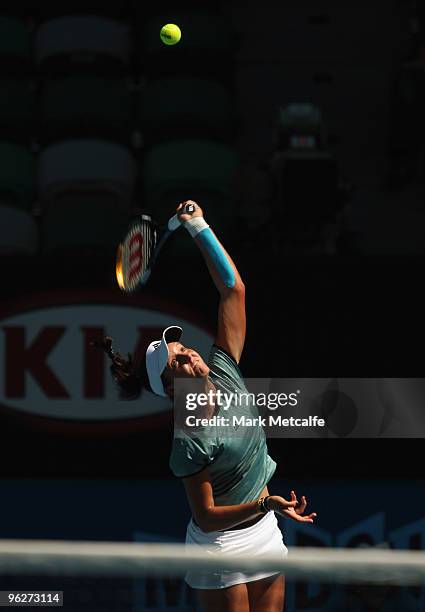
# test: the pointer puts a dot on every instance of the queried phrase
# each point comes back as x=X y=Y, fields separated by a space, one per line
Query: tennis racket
x=138 y=252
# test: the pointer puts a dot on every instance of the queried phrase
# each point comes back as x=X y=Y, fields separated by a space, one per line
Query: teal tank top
x=239 y=465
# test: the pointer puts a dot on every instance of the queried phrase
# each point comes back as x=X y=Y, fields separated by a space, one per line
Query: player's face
x=185 y=362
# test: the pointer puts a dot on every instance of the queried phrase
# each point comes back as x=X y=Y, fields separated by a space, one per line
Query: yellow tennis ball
x=170 y=34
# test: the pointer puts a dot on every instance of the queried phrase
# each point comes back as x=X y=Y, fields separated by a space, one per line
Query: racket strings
x=149 y=236
x=136 y=254
x=146 y=243
x=138 y=249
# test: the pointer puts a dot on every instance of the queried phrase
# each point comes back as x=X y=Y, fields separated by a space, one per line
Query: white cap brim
x=157 y=358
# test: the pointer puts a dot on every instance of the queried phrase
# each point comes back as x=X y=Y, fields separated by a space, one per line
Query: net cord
x=138 y=559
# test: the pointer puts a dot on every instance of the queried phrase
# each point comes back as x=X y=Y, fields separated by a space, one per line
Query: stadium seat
x=86 y=166
x=205 y=50
x=18 y=233
x=16 y=109
x=15 y=47
x=82 y=44
x=196 y=108
x=85 y=188
x=190 y=169
x=86 y=106
x=16 y=176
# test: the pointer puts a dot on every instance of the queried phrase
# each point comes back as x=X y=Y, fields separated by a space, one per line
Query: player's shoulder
x=223 y=363
x=219 y=353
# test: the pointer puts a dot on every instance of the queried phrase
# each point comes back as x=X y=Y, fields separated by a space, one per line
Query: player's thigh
x=230 y=599
x=267 y=595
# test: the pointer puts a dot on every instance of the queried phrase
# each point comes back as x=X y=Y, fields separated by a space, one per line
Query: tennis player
x=225 y=476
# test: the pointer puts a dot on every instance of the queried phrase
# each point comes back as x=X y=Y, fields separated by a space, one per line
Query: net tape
x=132 y=559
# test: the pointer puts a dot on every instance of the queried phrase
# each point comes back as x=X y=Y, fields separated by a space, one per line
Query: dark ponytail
x=124 y=372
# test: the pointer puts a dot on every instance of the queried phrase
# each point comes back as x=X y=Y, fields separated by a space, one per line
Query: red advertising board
x=52 y=379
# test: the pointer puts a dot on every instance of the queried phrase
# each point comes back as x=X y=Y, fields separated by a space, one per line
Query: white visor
x=157 y=357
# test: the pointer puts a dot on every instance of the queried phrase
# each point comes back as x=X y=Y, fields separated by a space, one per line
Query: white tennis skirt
x=262 y=537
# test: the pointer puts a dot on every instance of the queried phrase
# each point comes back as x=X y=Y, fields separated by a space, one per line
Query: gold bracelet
x=260 y=505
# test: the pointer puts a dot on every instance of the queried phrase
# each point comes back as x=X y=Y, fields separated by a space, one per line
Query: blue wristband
x=215 y=251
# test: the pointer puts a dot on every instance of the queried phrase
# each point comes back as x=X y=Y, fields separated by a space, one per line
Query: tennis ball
x=170 y=34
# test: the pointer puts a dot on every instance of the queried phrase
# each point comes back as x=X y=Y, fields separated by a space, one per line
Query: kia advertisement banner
x=49 y=369
x=60 y=410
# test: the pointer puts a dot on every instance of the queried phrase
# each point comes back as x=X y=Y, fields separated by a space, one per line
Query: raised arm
x=231 y=324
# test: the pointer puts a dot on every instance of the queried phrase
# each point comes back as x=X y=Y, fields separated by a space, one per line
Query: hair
x=127 y=376
x=130 y=375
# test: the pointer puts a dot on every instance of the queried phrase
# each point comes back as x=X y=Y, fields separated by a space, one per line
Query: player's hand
x=293 y=509
x=186 y=216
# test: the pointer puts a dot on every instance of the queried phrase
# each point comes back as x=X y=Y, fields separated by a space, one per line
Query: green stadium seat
x=86 y=167
x=86 y=106
x=82 y=44
x=16 y=175
x=85 y=191
x=178 y=107
x=201 y=170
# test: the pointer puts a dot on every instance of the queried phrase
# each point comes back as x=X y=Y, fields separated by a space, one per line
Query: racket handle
x=175 y=222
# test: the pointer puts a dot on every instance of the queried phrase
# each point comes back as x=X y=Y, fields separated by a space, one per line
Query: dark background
x=332 y=267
